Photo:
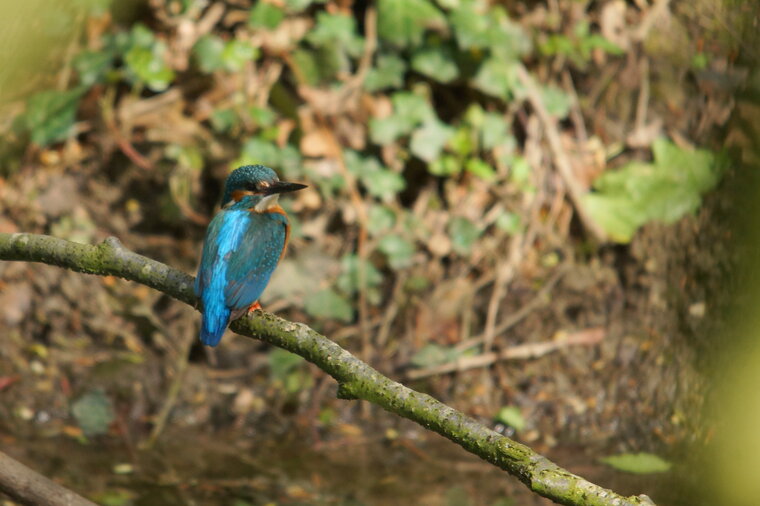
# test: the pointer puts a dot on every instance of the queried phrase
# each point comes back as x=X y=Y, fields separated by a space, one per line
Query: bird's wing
x=251 y=264
x=223 y=236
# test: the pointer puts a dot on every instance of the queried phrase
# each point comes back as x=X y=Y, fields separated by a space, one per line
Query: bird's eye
x=263 y=185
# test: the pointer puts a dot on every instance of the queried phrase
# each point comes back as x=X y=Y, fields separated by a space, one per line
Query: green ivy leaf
x=463 y=234
x=265 y=15
x=445 y=166
x=470 y=27
x=237 y=53
x=403 y=22
x=348 y=281
x=208 y=53
x=306 y=63
x=92 y=66
x=383 y=184
x=496 y=78
x=50 y=114
x=398 y=250
x=494 y=130
x=257 y=150
x=328 y=304
x=491 y=30
x=388 y=72
x=386 y=130
x=145 y=60
x=664 y=190
x=436 y=63
x=222 y=120
x=463 y=143
x=411 y=106
x=338 y=30
x=380 y=219
x=409 y=111
x=480 y=168
x=429 y=140
x=379 y=181
x=511 y=416
x=556 y=101
x=637 y=463
x=93 y=412
x=509 y=222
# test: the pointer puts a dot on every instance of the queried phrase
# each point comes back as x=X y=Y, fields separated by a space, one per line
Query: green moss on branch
x=356 y=379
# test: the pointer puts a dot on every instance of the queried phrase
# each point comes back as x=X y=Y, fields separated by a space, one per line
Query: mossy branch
x=356 y=379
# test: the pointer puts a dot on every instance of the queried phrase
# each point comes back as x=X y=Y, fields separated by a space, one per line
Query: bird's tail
x=213 y=325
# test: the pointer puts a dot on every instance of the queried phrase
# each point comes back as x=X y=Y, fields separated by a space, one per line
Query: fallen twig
x=520 y=352
x=561 y=160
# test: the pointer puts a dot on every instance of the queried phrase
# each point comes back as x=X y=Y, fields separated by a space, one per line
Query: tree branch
x=356 y=379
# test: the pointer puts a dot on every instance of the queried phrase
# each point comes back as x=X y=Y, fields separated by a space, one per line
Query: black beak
x=284 y=187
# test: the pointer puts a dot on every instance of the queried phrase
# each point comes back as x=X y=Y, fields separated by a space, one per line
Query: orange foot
x=254 y=306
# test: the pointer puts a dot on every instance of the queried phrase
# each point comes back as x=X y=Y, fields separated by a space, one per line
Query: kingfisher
x=244 y=243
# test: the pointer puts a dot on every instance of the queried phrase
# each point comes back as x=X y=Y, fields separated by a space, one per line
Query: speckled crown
x=244 y=176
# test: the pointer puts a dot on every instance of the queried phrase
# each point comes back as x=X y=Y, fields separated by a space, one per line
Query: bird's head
x=258 y=185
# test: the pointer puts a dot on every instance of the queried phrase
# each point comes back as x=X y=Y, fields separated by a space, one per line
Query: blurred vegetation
x=434 y=212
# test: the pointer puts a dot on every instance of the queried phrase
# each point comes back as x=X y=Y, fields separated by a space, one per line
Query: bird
x=244 y=243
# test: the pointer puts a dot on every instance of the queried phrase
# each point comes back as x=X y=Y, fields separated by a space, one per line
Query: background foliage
x=433 y=136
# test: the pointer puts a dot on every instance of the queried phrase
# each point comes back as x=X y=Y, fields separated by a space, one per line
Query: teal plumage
x=243 y=245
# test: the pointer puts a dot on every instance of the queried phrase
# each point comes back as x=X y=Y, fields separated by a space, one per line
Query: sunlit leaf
x=93 y=412
x=398 y=250
x=494 y=130
x=208 y=53
x=379 y=219
x=409 y=111
x=265 y=15
x=463 y=142
x=556 y=101
x=237 y=53
x=496 y=78
x=337 y=29
x=489 y=29
x=145 y=60
x=638 y=463
x=436 y=63
x=445 y=166
x=379 y=181
x=480 y=168
x=428 y=141
x=388 y=72
x=463 y=234
x=509 y=222
x=664 y=190
x=386 y=130
x=403 y=22
x=511 y=416
x=470 y=27
x=328 y=304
